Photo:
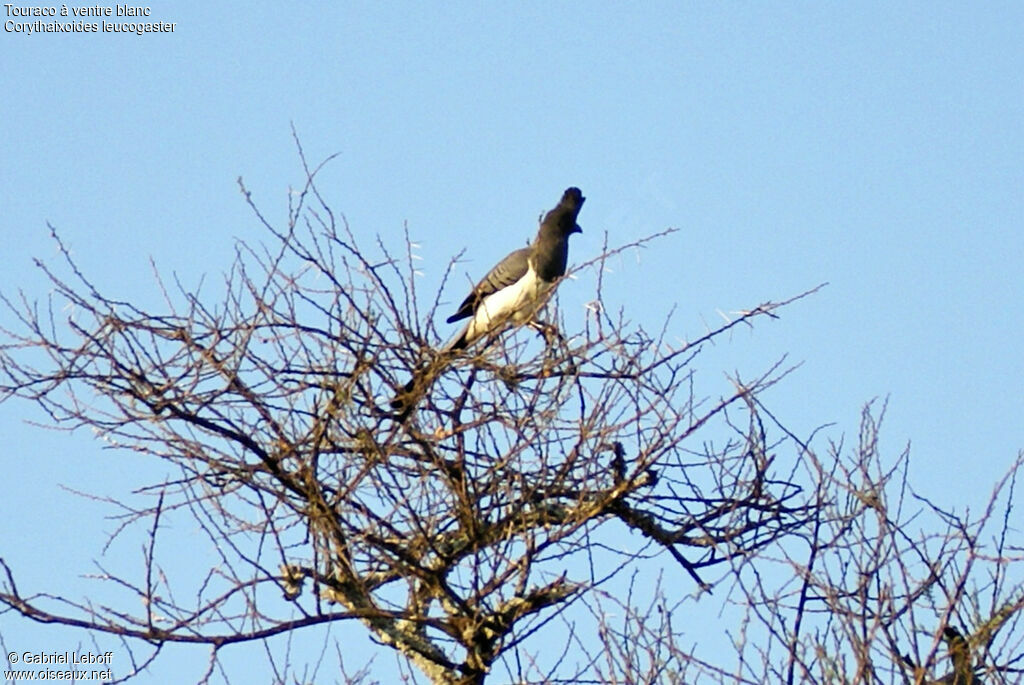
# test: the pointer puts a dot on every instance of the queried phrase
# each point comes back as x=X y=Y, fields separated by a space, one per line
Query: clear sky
x=877 y=146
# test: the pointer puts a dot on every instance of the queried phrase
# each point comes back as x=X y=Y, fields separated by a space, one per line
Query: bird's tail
x=459 y=342
x=409 y=395
x=422 y=378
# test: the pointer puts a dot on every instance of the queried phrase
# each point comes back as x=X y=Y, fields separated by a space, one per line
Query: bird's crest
x=564 y=215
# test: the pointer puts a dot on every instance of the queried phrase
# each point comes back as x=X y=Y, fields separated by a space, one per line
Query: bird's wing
x=508 y=271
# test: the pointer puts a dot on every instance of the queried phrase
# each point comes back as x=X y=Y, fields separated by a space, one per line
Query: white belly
x=515 y=304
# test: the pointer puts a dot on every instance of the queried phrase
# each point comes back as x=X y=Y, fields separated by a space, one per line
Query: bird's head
x=952 y=634
x=564 y=215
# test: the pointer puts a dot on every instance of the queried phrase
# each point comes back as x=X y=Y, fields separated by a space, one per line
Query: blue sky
x=875 y=146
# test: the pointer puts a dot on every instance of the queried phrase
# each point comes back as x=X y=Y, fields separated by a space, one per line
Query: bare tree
x=880 y=586
x=460 y=531
x=883 y=577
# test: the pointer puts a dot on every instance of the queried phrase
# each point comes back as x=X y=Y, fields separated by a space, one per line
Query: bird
x=519 y=285
x=514 y=290
x=960 y=655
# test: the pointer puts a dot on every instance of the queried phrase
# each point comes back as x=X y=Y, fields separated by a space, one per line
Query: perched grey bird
x=519 y=285
x=514 y=290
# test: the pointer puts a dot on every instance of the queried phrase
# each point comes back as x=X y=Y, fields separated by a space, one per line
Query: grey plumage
x=511 y=293
x=505 y=273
